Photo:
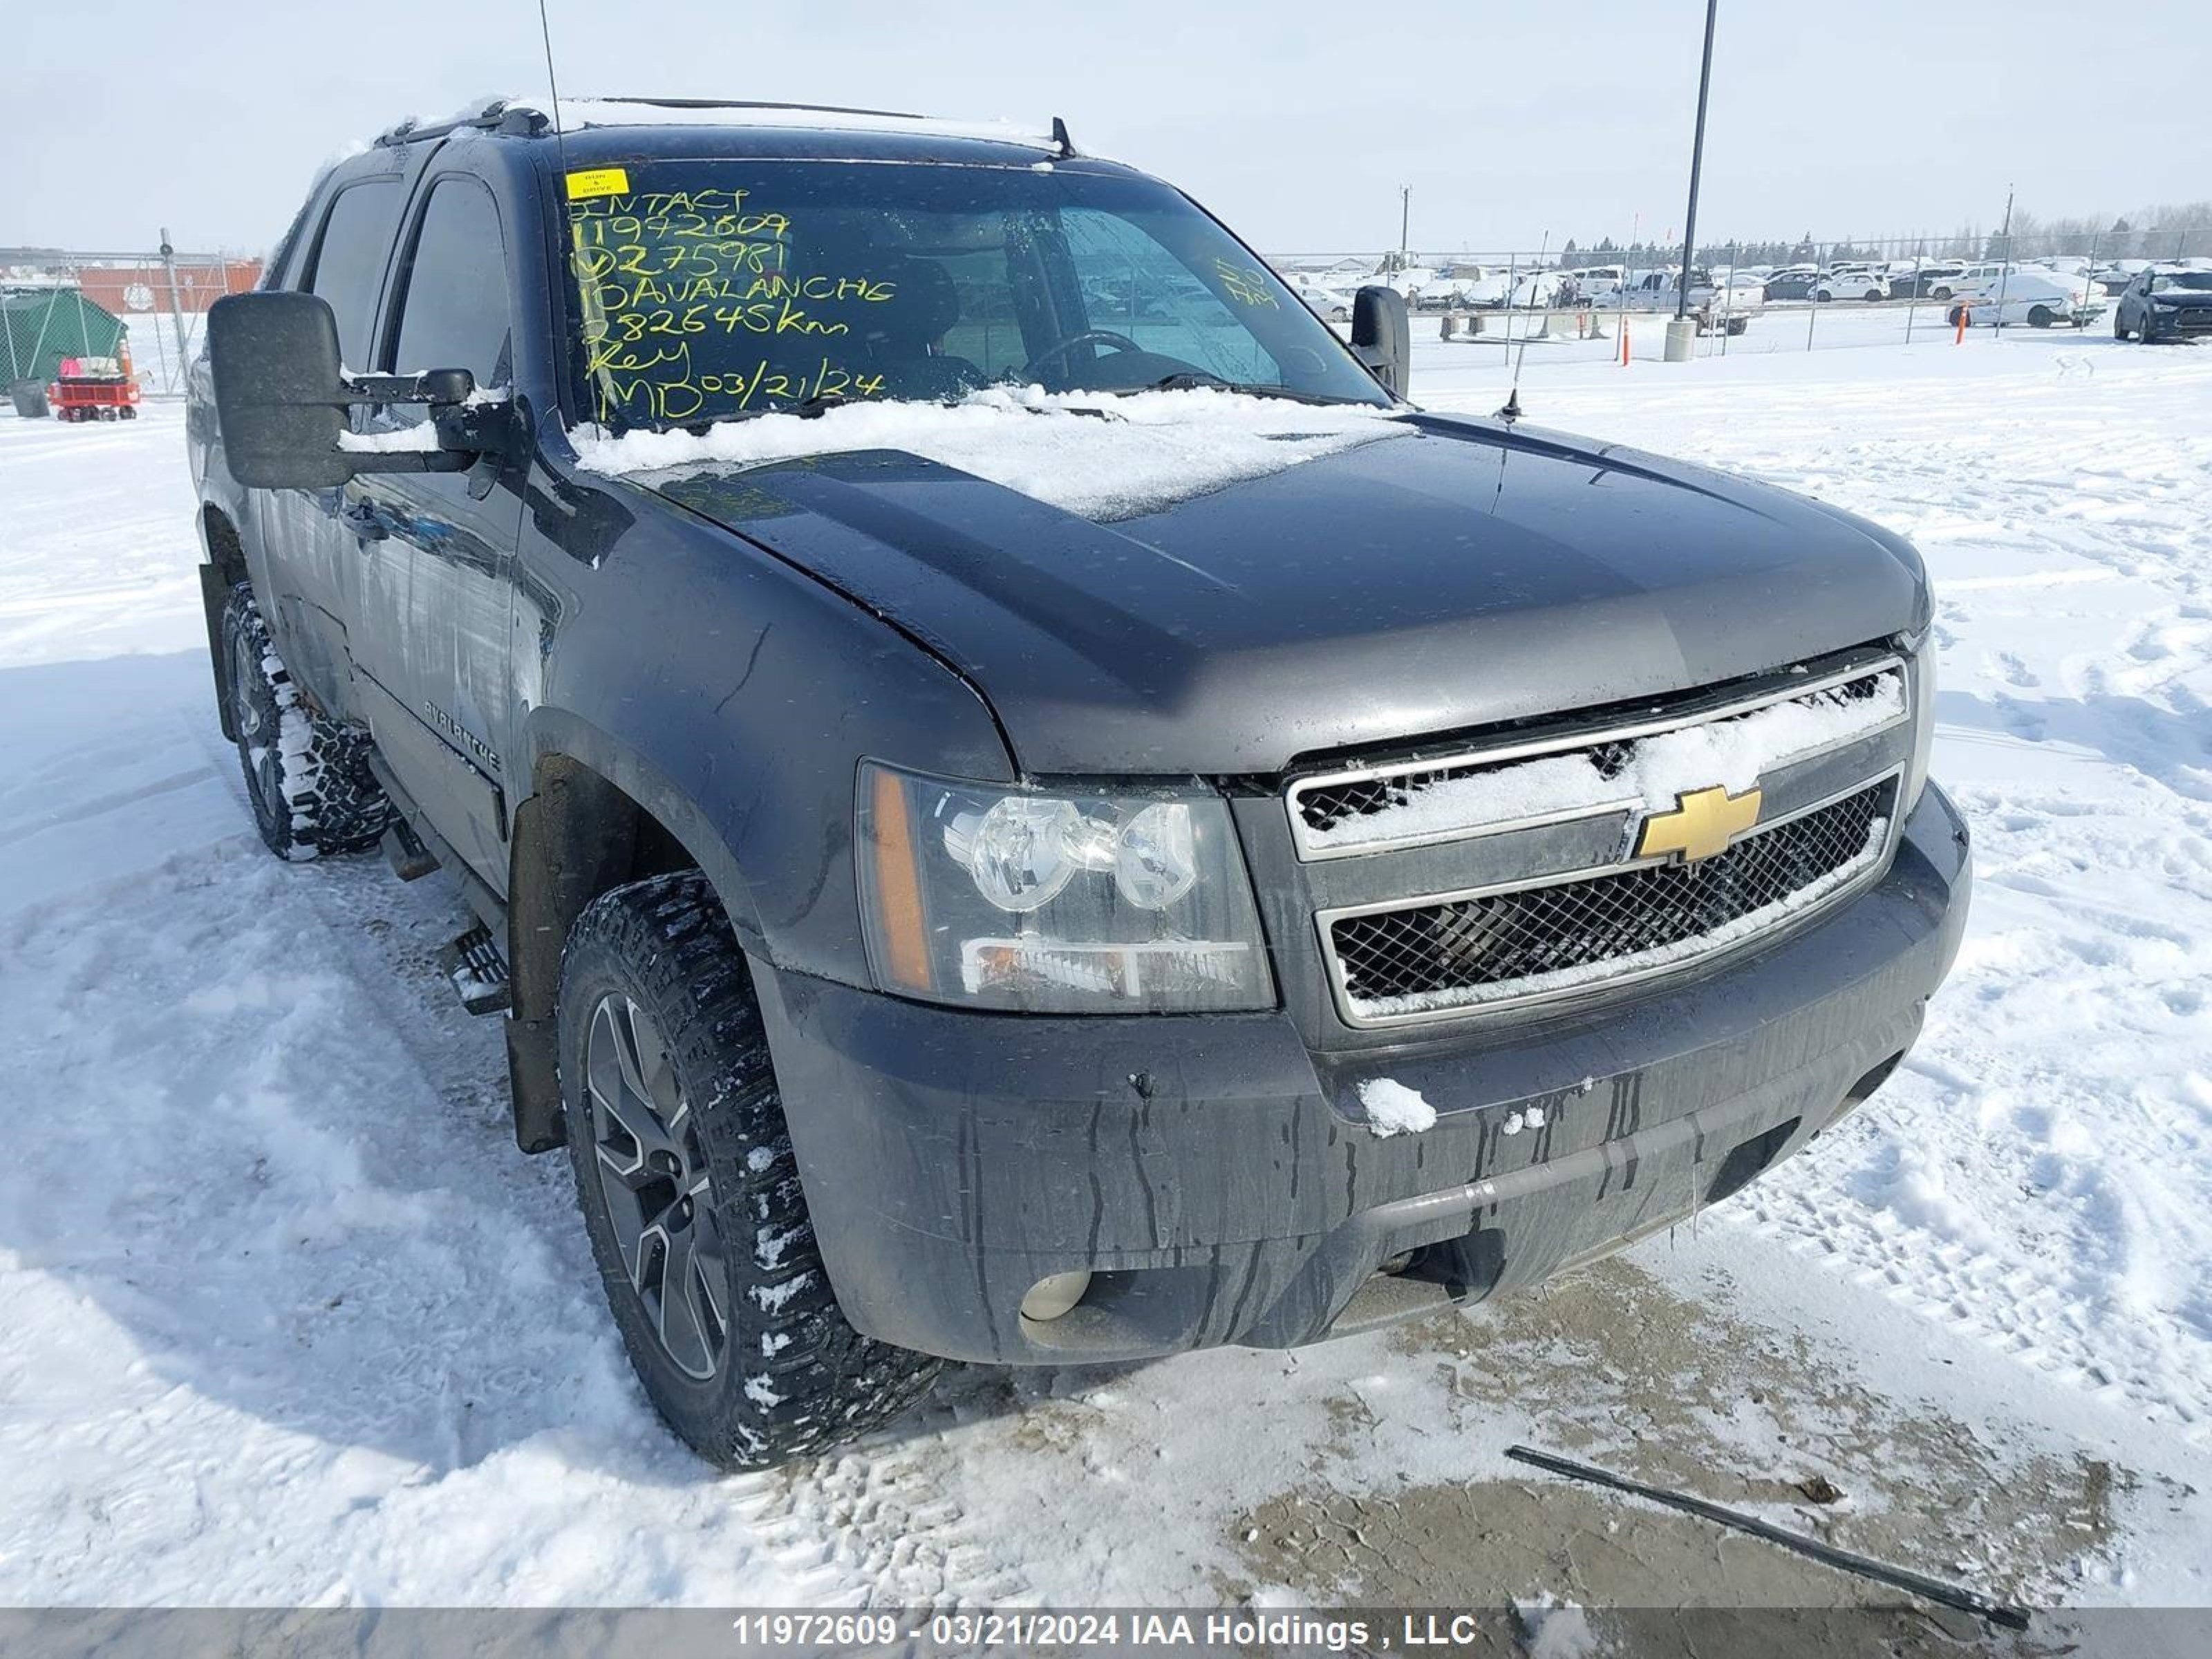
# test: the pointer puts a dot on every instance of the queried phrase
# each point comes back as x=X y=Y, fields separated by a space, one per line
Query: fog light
x=1054 y=1295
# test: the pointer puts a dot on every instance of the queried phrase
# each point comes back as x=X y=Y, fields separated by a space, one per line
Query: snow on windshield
x=1150 y=449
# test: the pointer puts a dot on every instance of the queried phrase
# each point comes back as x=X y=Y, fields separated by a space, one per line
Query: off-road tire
x=307 y=776
x=793 y=1377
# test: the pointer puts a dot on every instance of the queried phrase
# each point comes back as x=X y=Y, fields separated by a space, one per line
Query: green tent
x=39 y=326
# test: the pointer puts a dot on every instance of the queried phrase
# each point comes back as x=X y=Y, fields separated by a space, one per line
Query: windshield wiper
x=1199 y=379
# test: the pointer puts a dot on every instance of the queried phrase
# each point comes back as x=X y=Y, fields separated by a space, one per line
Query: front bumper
x=2179 y=320
x=1218 y=1179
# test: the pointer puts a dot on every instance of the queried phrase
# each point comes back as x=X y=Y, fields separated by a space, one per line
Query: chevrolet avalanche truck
x=1226 y=856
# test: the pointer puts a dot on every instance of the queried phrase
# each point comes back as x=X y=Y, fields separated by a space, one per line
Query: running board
x=477 y=971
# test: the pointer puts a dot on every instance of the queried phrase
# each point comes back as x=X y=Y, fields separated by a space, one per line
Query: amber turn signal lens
x=898 y=886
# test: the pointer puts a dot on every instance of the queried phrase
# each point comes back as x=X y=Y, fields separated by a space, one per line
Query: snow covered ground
x=288 y=1320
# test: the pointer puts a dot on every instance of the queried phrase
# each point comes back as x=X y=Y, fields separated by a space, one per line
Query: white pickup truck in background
x=1720 y=302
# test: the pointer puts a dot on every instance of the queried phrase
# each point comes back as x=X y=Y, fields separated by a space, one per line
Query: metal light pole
x=1405 y=219
x=1681 y=334
x=176 y=306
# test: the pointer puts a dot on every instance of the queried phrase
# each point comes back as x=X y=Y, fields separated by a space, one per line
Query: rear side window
x=347 y=268
x=453 y=308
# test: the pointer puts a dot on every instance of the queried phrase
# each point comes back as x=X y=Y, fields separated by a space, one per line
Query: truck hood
x=1460 y=574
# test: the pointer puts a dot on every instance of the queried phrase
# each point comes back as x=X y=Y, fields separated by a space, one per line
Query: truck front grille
x=1421 y=959
x=1351 y=812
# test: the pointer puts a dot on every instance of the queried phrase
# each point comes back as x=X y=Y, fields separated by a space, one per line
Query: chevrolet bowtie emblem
x=1703 y=822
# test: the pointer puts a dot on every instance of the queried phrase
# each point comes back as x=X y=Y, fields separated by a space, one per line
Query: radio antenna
x=553 y=81
x=1511 y=412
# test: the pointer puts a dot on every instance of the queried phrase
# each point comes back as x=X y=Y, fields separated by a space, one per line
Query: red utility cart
x=94 y=389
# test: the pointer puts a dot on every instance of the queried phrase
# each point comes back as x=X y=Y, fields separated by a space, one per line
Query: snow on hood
x=1101 y=457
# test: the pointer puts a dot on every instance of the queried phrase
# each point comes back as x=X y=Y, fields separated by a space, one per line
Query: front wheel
x=691 y=1191
x=307 y=777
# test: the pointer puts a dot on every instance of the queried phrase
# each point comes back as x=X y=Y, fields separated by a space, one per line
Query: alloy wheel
x=654 y=1176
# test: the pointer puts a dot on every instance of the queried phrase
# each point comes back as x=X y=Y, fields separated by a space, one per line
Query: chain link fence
x=161 y=294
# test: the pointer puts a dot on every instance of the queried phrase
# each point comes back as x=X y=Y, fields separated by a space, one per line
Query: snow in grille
x=1467 y=797
x=1531 y=941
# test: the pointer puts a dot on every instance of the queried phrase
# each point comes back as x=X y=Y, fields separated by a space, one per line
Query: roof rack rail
x=751 y=103
x=1056 y=141
x=505 y=115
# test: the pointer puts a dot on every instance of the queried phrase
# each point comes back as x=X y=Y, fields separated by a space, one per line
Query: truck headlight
x=1070 y=903
x=1921 y=668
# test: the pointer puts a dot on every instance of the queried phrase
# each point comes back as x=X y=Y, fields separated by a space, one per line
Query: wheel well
x=578 y=835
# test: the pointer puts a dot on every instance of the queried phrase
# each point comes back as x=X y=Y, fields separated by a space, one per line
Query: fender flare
x=562 y=856
x=550 y=732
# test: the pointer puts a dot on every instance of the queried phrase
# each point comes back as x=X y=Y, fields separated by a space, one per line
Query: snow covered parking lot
x=288 y=1321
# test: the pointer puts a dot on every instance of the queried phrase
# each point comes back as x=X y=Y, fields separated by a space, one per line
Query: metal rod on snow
x=1919 y=280
x=1935 y=1589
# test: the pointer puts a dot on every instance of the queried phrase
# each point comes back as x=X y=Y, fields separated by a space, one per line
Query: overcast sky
x=1296 y=122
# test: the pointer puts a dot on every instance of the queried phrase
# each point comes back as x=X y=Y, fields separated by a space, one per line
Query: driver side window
x=454 y=310
x=1132 y=285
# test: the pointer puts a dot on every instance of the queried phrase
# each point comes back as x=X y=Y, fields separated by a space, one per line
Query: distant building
x=123 y=290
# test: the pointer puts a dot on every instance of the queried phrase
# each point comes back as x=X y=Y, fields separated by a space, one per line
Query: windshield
x=708 y=289
x=2198 y=282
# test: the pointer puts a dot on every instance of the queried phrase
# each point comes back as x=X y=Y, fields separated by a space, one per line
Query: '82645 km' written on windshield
x=704 y=302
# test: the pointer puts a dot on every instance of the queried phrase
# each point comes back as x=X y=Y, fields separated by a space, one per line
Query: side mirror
x=1382 y=335
x=281 y=393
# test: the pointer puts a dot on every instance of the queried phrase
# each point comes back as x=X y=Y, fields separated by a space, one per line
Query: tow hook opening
x=1468 y=1267
x=1862 y=1090
x=1748 y=1158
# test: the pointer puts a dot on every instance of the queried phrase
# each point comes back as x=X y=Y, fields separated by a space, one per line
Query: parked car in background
x=1599 y=285
x=1852 y=282
x=1501 y=288
x=1925 y=279
x=2041 y=299
x=1717 y=306
x=1331 y=304
x=1981 y=279
x=2164 y=304
x=1792 y=283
